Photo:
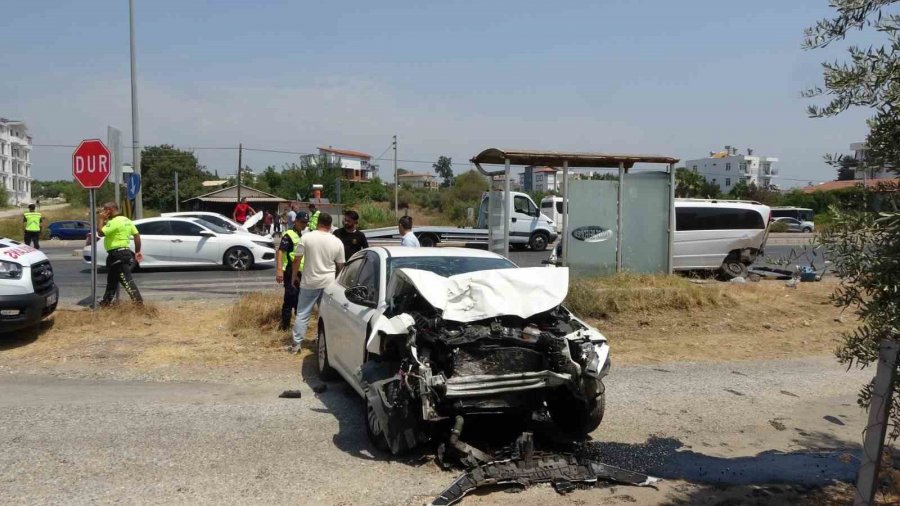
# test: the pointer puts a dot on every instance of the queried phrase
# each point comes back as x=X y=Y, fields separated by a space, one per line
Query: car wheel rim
x=539 y=242
x=320 y=349
x=239 y=259
x=734 y=269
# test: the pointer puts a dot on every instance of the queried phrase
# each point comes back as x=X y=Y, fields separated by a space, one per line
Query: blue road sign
x=133 y=185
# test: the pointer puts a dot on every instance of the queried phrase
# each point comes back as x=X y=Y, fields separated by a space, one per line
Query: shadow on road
x=819 y=460
x=24 y=337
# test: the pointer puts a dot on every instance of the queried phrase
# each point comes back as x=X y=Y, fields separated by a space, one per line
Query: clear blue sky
x=449 y=78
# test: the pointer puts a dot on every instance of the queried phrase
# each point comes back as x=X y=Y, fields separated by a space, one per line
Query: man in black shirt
x=353 y=239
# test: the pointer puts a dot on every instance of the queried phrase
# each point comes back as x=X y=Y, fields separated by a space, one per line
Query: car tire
x=374 y=431
x=807 y=230
x=732 y=268
x=238 y=258
x=55 y=238
x=574 y=416
x=323 y=366
x=538 y=241
x=427 y=240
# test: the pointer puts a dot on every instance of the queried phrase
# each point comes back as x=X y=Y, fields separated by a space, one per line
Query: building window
x=728 y=166
x=743 y=167
x=695 y=168
x=727 y=181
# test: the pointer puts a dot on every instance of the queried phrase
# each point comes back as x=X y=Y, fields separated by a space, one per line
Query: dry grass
x=732 y=322
x=603 y=297
x=157 y=335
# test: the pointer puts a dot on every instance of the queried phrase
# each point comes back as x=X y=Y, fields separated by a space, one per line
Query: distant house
x=357 y=165
x=863 y=170
x=727 y=168
x=419 y=180
x=546 y=179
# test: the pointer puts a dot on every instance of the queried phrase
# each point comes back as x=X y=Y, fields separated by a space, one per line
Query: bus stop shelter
x=637 y=206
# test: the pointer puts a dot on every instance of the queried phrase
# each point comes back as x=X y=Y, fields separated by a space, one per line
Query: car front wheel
x=574 y=416
x=326 y=372
x=238 y=259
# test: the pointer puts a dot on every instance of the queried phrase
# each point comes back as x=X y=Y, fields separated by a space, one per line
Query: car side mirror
x=359 y=295
x=206 y=233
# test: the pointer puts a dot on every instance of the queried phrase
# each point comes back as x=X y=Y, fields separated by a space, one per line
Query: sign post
x=91 y=164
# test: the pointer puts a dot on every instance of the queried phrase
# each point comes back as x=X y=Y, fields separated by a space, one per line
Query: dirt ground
x=222 y=341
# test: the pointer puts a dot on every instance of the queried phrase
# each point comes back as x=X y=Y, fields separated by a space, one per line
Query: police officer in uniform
x=116 y=231
x=33 y=220
x=284 y=257
x=313 y=217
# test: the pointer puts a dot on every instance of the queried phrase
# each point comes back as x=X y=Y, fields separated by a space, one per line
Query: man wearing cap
x=284 y=257
x=33 y=220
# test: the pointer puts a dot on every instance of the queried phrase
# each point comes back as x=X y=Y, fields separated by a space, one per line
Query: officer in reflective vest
x=313 y=217
x=284 y=257
x=33 y=222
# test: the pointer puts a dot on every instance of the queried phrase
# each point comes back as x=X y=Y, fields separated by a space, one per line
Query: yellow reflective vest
x=32 y=222
x=288 y=259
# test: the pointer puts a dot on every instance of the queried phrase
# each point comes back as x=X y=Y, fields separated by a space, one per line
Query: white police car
x=27 y=291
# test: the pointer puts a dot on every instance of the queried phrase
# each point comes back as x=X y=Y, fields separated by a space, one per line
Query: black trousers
x=289 y=304
x=118 y=271
x=33 y=239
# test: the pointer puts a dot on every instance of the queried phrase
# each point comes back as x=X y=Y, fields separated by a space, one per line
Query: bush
x=373 y=216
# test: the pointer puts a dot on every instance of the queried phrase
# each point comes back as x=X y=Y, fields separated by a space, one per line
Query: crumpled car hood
x=487 y=294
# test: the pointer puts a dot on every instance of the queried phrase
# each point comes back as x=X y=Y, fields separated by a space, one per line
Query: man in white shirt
x=407 y=237
x=291 y=216
x=323 y=258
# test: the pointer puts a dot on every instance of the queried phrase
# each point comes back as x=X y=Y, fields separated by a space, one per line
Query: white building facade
x=356 y=164
x=863 y=171
x=727 y=168
x=15 y=161
x=547 y=179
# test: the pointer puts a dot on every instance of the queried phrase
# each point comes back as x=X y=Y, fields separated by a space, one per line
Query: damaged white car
x=430 y=336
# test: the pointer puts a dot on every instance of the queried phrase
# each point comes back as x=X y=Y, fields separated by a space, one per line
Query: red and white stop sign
x=91 y=163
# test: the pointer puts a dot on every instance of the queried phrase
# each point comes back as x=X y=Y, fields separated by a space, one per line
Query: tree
x=690 y=184
x=863 y=247
x=444 y=169
x=846 y=166
x=869 y=79
x=4 y=197
x=158 y=167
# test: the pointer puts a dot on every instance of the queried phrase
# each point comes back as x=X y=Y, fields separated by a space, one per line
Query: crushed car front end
x=454 y=347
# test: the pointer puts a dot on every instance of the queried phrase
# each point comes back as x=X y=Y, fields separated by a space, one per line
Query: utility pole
x=135 y=138
x=176 y=191
x=396 y=183
x=240 y=152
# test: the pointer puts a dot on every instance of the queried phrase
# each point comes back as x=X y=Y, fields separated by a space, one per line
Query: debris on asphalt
x=522 y=465
x=291 y=394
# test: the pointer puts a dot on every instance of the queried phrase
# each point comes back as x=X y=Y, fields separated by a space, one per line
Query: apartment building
x=728 y=167
x=356 y=164
x=15 y=161
x=864 y=171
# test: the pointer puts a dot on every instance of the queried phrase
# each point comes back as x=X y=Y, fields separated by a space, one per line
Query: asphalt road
x=67 y=440
x=74 y=280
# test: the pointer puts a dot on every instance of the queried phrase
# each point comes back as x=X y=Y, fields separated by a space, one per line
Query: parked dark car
x=69 y=230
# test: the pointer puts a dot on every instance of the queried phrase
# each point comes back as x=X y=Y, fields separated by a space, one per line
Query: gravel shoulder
x=713 y=431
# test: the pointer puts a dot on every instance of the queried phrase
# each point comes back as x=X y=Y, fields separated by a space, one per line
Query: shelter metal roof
x=575 y=159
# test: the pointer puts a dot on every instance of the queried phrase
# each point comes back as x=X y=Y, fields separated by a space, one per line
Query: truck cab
x=27 y=290
x=527 y=225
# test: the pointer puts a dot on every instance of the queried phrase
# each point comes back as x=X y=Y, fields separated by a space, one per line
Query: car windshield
x=448 y=266
x=212 y=226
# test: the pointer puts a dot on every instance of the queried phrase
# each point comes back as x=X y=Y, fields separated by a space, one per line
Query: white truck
x=27 y=290
x=527 y=227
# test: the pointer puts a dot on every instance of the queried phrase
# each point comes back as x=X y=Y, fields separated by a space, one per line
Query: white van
x=552 y=207
x=27 y=291
x=724 y=235
x=719 y=234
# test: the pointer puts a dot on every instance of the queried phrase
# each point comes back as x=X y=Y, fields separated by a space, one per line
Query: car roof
x=164 y=218
x=192 y=213
x=405 y=252
x=721 y=204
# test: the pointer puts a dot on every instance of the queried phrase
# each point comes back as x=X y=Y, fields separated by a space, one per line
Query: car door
x=333 y=311
x=522 y=218
x=358 y=316
x=194 y=244
x=156 y=245
x=80 y=230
